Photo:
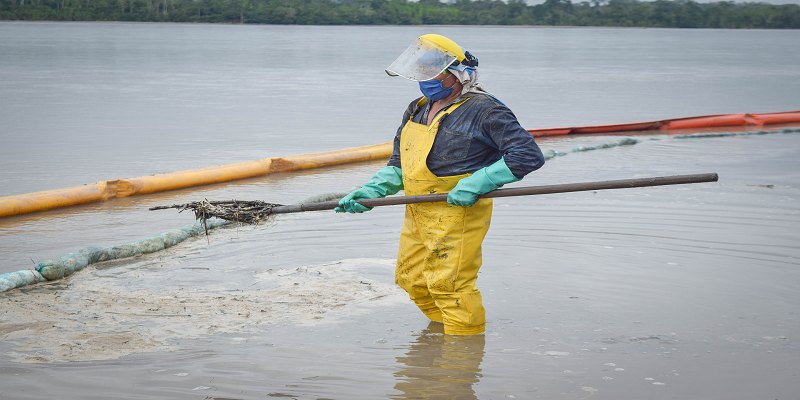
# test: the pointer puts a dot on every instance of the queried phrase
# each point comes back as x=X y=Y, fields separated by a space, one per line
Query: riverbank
x=662 y=14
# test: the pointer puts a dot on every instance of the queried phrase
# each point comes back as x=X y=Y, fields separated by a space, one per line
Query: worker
x=456 y=139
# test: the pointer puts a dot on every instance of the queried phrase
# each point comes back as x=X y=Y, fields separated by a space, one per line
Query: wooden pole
x=520 y=191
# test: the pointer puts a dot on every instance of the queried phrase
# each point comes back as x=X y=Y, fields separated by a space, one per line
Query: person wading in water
x=456 y=138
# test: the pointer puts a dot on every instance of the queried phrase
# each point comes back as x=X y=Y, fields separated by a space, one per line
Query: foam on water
x=100 y=316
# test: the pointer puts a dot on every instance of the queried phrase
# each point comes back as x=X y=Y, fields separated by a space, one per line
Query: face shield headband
x=423 y=60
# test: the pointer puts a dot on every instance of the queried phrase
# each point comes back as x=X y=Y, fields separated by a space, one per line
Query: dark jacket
x=475 y=135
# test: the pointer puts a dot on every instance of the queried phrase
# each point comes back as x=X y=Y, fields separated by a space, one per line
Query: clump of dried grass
x=247 y=212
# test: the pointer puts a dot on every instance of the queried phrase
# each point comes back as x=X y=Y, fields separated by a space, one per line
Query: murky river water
x=673 y=292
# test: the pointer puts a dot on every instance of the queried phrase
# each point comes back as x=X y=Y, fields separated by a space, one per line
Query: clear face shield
x=421 y=61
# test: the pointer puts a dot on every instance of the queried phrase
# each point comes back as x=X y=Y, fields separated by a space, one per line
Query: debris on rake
x=248 y=212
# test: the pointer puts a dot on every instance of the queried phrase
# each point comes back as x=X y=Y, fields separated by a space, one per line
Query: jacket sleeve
x=520 y=151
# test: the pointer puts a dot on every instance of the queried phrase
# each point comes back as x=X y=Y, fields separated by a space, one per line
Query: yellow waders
x=440 y=244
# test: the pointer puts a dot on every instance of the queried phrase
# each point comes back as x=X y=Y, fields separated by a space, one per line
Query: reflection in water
x=439 y=366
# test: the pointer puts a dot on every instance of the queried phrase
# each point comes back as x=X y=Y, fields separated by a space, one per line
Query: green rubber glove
x=387 y=181
x=481 y=182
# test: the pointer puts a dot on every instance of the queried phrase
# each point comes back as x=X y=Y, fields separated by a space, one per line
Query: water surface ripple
x=659 y=293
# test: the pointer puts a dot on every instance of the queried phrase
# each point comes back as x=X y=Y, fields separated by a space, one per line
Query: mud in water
x=99 y=316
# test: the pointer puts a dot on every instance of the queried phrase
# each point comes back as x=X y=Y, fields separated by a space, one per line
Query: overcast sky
x=758 y=1
x=701 y=1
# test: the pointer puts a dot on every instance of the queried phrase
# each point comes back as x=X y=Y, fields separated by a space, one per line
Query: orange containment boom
x=105 y=190
x=702 y=122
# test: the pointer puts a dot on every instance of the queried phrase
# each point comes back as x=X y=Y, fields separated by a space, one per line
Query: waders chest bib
x=440 y=244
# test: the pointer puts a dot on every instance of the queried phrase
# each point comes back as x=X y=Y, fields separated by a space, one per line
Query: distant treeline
x=659 y=13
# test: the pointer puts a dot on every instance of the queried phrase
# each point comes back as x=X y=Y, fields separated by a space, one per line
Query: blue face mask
x=434 y=90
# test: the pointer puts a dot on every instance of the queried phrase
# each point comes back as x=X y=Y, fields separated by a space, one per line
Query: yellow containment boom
x=105 y=190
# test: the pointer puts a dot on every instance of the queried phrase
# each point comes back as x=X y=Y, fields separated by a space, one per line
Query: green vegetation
x=659 y=13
